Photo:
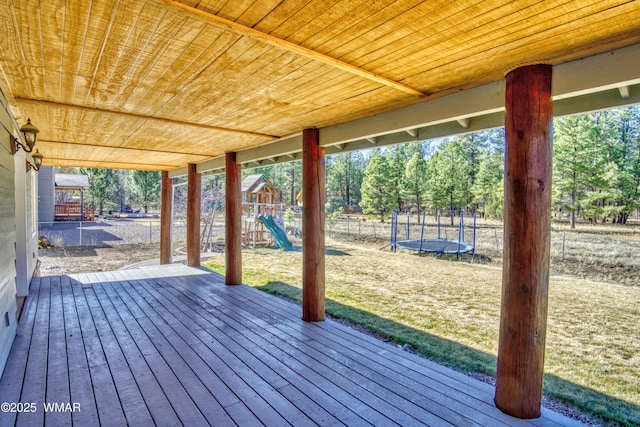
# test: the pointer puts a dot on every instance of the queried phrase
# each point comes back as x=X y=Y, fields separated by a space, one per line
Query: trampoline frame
x=437 y=245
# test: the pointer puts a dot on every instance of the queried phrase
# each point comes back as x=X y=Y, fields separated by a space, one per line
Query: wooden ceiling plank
x=451 y=18
x=398 y=30
x=153 y=34
x=305 y=96
x=52 y=13
x=194 y=58
x=98 y=58
x=337 y=13
x=350 y=14
x=77 y=19
x=118 y=55
x=13 y=57
x=267 y=38
x=232 y=10
x=540 y=45
x=253 y=14
x=444 y=32
x=30 y=50
x=343 y=41
x=287 y=18
x=202 y=90
x=517 y=24
x=279 y=14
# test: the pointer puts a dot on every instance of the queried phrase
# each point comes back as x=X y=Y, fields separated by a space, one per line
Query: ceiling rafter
x=143 y=117
x=301 y=50
x=56 y=161
x=138 y=150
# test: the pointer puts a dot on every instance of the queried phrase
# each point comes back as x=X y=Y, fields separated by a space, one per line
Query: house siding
x=18 y=229
x=8 y=305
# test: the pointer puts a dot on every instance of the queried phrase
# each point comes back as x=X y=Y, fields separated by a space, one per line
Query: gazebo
x=193 y=87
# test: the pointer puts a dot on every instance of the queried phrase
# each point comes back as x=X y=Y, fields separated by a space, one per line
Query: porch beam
x=233 y=220
x=527 y=225
x=193 y=215
x=165 y=218
x=313 y=200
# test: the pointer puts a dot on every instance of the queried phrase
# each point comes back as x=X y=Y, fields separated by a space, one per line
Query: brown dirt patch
x=81 y=259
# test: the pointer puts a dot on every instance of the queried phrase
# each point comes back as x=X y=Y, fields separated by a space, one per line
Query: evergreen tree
x=377 y=185
x=397 y=158
x=102 y=184
x=488 y=189
x=414 y=184
x=145 y=188
x=621 y=133
x=448 y=170
x=578 y=165
x=344 y=176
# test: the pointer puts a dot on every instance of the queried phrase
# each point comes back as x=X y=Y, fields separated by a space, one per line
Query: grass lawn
x=449 y=311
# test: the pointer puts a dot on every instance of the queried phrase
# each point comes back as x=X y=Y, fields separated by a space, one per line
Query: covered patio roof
x=160 y=84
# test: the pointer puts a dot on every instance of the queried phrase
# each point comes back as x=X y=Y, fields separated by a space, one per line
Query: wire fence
x=606 y=245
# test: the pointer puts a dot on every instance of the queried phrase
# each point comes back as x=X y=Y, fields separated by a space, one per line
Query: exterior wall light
x=30 y=132
x=37 y=160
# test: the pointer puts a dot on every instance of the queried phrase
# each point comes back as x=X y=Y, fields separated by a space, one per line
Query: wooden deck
x=171 y=345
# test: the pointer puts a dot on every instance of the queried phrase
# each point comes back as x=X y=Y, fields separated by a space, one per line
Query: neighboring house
x=61 y=196
x=18 y=229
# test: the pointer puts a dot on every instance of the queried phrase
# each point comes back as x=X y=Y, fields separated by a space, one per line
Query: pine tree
x=377 y=184
x=414 y=183
x=578 y=162
x=344 y=176
x=102 y=184
x=145 y=188
x=448 y=171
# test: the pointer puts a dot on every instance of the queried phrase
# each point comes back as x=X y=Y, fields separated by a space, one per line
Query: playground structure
x=438 y=245
x=262 y=223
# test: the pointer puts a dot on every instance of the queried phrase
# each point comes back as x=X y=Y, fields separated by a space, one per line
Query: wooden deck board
x=175 y=346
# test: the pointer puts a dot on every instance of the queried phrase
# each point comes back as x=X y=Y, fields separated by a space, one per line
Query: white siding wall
x=8 y=306
x=18 y=230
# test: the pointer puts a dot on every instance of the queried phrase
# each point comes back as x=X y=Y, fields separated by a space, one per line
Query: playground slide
x=278 y=233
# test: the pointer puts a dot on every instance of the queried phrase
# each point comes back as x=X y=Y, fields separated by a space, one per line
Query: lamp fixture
x=30 y=132
x=37 y=160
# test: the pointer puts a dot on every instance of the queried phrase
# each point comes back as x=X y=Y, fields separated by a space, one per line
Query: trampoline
x=438 y=245
x=442 y=246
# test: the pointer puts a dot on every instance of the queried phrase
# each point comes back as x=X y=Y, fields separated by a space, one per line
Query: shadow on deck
x=172 y=345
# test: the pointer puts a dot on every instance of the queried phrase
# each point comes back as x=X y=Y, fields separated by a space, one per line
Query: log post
x=193 y=216
x=233 y=221
x=527 y=225
x=313 y=201
x=165 y=218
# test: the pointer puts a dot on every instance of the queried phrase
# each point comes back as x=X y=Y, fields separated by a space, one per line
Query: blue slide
x=278 y=233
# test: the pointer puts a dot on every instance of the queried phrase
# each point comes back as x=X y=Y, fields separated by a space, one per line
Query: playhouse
x=261 y=212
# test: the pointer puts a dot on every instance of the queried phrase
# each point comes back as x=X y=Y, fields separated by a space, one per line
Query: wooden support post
x=527 y=226
x=193 y=216
x=313 y=201
x=233 y=220
x=165 y=219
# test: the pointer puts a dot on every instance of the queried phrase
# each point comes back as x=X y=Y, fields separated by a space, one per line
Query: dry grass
x=449 y=311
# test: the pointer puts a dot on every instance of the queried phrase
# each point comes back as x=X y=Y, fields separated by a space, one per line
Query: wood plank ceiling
x=158 y=84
